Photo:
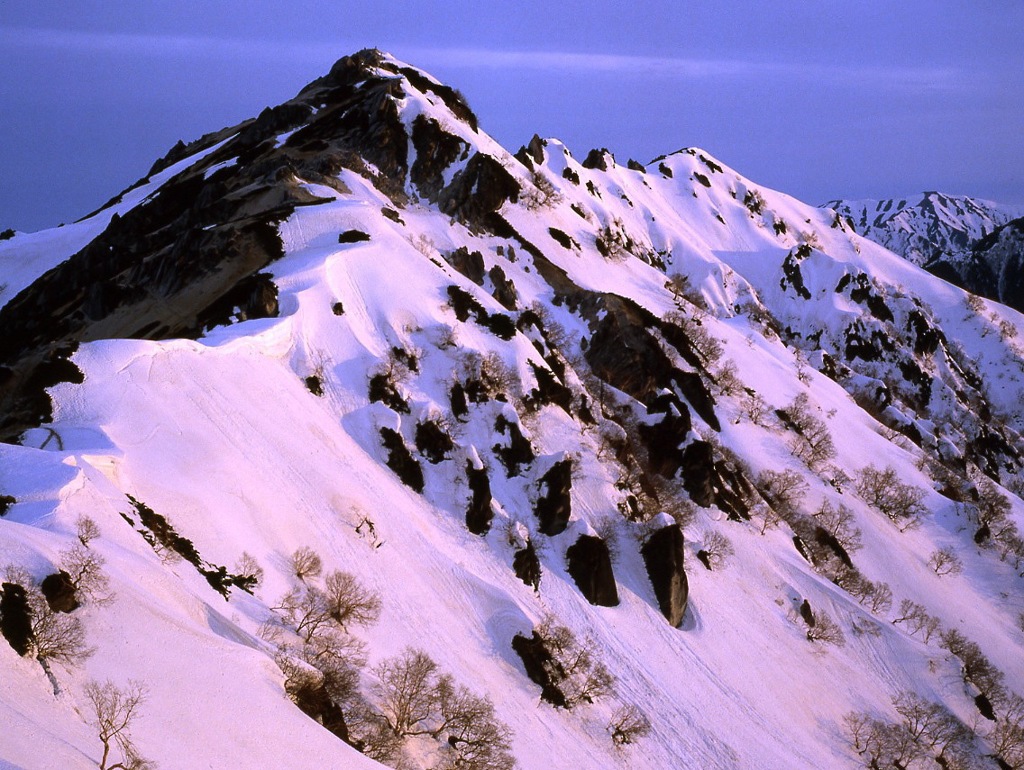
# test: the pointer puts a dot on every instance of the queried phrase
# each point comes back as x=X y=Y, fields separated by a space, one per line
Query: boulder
x=554 y=506
x=663 y=556
x=59 y=592
x=527 y=565
x=16 y=618
x=538 y=662
x=479 y=512
x=590 y=565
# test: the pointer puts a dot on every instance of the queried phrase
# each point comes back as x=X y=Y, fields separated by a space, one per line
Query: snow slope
x=223 y=437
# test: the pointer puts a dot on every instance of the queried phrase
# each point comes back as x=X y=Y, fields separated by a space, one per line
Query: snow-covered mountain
x=941 y=234
x=349 y=436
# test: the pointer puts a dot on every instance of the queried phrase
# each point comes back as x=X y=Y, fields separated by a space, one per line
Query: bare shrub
x=476 y=738
x=306 y=562
x=878 y=598
x=916 y=620
x=926 y=729
x=754 y=407
x=541 y=195
x=695 y=328
x=248 y=568
x=825 y=630
x=56 y=636
x=716 y=550
x=976 y=667
x=497 y=377
x=349 y=602
x=113 y=712
x=416 y=698
x=931 y=724
x=608 y=530
x=839 y=522
x=883 y=491
x=990 y=512
x=85 y=568
x=628 y=725
x=681 y=289
x=1007 y=737
x=813 y=442
x=782 y=490
x=944 y=561
x=579 y=675
x=406 y=690
x=306 y=611
x=86 y=529
x=727 y=379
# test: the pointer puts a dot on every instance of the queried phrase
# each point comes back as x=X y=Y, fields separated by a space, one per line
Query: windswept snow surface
x=222 y=437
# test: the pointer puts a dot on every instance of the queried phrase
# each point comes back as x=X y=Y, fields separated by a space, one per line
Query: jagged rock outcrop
x=663 y=554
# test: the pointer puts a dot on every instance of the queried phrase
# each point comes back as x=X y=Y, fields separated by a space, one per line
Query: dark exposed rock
x=597 y=159
x=162 y=536
x=479 y=189
x=479 y=513
x=635 y=166
x=401 y=461
x=433 y=442
x=6 y=501
x=624 y=353
x=172 y=265
x=549 y=390
x=451 y=97
x=353 y=236
x=527 y=565
x=16 y=618
x=538 y=662
x=807 y=613
x=565 y=240
x=504 y=290
x=663 y=556
x=590 y=564
x=695 y=391
x=436 y=150
x=59 y=592
x=519 y=451
x=664 y=438
x=252 y=297
x=314 y=385
x=554 y=506
x=314 y=700
x=469 y=263
x=791 y=275
x=384 y=390
x=460 y=408
x=698 y=471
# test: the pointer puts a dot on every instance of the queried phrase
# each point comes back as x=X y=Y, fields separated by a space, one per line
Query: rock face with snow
x=348 y=396
x=942 y=233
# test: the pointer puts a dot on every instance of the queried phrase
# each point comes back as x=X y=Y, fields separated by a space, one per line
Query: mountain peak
x=616 y=463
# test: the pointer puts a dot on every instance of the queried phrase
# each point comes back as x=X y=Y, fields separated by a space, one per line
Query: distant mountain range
x=955 y=237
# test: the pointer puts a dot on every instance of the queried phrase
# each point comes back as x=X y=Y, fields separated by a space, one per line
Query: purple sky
x=815 y=98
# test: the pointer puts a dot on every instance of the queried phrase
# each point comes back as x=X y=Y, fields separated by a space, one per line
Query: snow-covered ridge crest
x=518 y=407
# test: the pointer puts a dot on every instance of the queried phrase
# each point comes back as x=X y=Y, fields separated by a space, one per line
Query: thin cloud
x=696 y=68
x=681 y=68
